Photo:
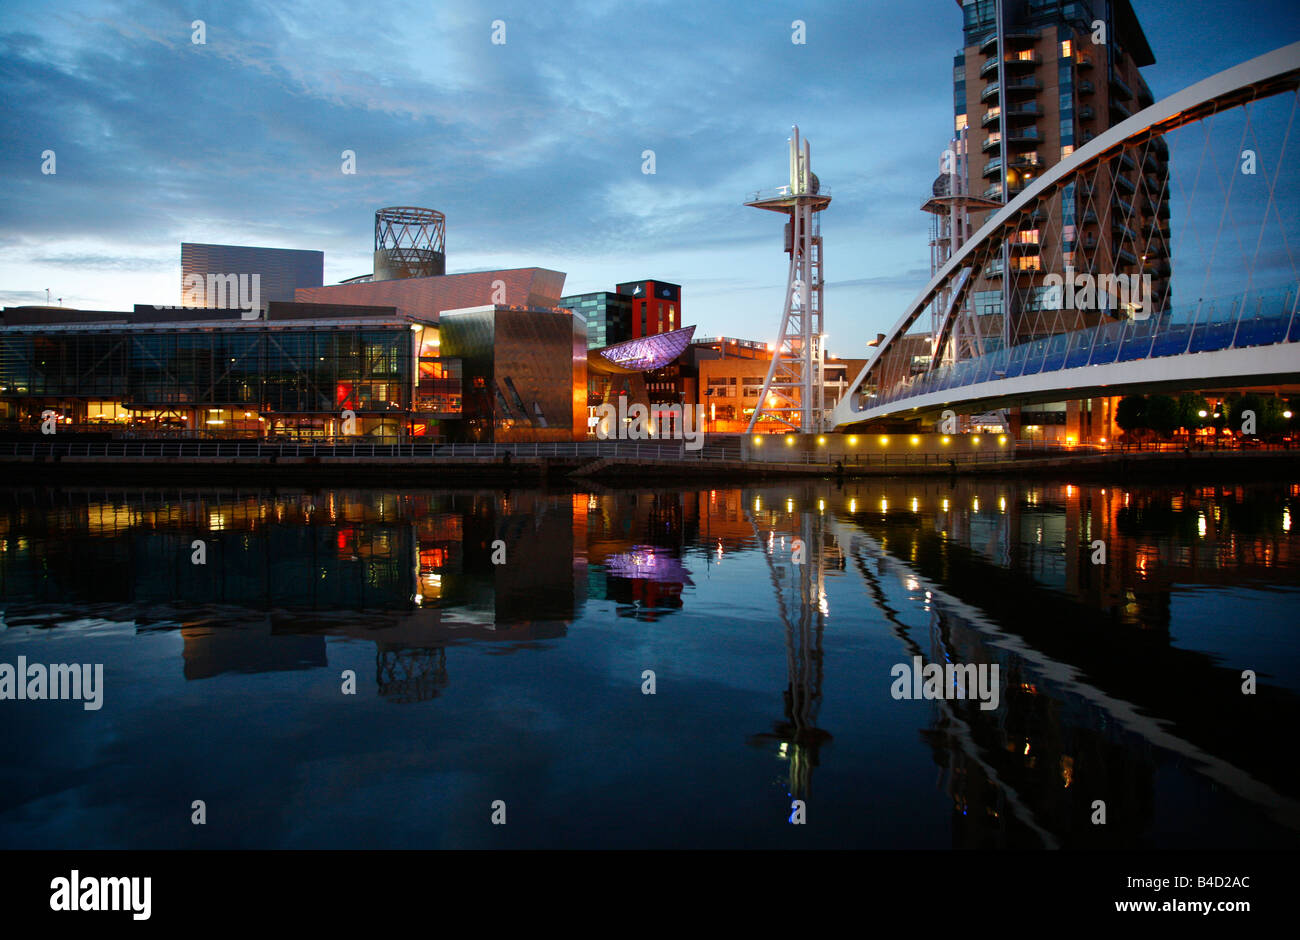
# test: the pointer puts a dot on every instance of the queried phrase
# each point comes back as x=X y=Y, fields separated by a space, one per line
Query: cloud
x=532 y=148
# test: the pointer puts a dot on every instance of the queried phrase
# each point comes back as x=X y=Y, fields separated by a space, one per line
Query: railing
x=642 y=450
x=1257 y=320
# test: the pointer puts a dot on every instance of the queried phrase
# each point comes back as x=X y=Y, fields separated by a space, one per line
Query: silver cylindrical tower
x=409 y=242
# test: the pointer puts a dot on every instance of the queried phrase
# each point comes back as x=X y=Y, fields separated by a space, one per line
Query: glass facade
x=178 y=379
x=608 y=316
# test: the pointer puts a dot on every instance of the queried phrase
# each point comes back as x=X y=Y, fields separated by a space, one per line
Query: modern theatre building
x=406 y=352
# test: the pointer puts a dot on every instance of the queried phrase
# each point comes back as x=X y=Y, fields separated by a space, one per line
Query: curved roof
x=644 y=354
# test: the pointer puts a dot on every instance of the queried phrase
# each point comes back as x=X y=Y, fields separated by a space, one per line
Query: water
x=523 y=682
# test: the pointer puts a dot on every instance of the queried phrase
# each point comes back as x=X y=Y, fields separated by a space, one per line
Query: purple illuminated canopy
x=646 y=353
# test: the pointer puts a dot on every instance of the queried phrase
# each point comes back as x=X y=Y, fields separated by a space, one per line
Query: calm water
x=523 y=681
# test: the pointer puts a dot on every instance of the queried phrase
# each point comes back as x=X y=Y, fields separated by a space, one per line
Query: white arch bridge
x=1222 y=310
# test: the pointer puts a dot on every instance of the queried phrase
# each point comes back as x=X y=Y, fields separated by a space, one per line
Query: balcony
x=995 y=192
x=1027 y=85
x=1086 y=87
x=1124 y=256
x=1015 y=61
x=994 y=142
x=1126 y=161
x=1083 y=59
x=1025 y=110
x=1024 y=137
x=1024 y=161
x=1011 y=38
x=993 y=169
x=1123 y=231
x=1123 y=206
x=1120 y=88
x=1121 y=110
x=1087 y=114
x=1125 y=185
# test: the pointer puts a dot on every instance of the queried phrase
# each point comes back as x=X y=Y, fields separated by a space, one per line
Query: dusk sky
x=533 y=149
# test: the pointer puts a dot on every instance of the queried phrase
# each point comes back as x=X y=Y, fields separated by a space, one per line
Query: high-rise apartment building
x=1034 y=81
x=1029 y=89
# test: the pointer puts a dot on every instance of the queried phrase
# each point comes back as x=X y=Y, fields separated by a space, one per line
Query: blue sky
x=532 y=148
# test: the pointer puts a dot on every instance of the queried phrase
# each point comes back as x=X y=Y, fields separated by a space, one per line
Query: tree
x=1190 y=406
x=1162 y=414
x=1131 y=413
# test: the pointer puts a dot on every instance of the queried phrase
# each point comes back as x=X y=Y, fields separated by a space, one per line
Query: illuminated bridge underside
x=1249 y=337
x=1268 y=365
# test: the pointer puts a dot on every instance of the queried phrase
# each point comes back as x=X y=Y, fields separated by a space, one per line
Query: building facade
x=656 y=307
x=608 y=316
x=338 y=373
x=1028 y=91
x=280 y=271
x=523 y=373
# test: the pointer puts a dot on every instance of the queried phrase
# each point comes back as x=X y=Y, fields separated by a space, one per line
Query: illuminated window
x=1067 y=150
x=961 y=122
x=1067 y=49
x=1028 y=237
x=1028 y=54
x=1026 y=264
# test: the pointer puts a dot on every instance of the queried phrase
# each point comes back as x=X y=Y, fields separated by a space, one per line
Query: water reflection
x=1121 y=672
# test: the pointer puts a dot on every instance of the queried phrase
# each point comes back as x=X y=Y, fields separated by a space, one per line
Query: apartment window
x=1028 y=237
x=1067 y=150
x=988 y=303
x=1067 y=49
x=961 y=123
x=1030 y=263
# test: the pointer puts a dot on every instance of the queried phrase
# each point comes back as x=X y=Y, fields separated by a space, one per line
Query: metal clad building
x=281 y=270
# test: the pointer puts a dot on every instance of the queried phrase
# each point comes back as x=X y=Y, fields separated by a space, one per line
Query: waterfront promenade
x=594 y=460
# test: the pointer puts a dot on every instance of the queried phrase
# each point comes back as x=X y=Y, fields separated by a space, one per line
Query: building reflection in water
x=1097 y=694
x=410 y=572
x=634 y=544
